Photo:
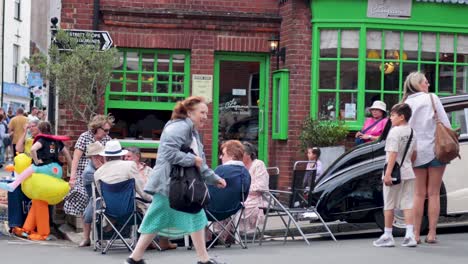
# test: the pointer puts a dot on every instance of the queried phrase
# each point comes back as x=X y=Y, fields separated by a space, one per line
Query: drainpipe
x=96 y=9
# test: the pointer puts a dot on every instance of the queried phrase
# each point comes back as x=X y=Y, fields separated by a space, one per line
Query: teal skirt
x=161 y=219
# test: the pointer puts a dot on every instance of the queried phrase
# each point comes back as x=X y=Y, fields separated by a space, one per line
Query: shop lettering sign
x=234 y=107
x=399 y=9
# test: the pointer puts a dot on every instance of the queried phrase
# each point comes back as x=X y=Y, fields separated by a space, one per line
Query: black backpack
x=187 y=191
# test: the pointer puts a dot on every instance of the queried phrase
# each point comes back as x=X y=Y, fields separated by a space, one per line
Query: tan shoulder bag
x=446 y=140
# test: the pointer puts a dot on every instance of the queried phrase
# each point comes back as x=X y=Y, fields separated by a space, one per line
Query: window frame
x=280 y=105
x=153 y=104
x=17 y=10
x=362 y=60
x=16 y=59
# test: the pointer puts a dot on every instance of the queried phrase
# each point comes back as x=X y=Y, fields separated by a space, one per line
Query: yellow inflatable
x=40 y=186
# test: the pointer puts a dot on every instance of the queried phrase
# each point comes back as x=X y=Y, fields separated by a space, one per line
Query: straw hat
x=112 y=149
x=379 y=105
x=94 y=149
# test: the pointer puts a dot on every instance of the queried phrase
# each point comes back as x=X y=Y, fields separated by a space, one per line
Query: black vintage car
x=351 y=188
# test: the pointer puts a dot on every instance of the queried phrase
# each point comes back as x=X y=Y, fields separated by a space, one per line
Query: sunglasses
x=105 y=130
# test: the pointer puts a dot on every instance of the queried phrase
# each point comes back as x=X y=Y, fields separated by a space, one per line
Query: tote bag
x=446 y=146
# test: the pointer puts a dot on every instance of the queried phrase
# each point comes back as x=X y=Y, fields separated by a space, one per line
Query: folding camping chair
x=298 y=207
x=116 y=206
x=273 y=177
x=227 y=204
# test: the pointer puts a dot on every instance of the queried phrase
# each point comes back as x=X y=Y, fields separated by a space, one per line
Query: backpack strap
x=407 y=147
x=371 y=126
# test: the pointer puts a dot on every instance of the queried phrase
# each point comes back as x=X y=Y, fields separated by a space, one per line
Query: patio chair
x=294 y=205
x=116 y=207
x=273 y=177
x=227 y=204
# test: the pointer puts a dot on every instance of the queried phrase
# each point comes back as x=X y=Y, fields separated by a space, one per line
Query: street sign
x=86 y=37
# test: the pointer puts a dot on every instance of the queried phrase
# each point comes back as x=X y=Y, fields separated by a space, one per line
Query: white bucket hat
x=379 y=105
x=94 y=149
x=112 y=149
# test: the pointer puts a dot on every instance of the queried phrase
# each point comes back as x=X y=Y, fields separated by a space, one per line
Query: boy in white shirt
x=399 y=195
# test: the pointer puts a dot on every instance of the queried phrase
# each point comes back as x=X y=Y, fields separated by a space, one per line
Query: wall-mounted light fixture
x=276 y=50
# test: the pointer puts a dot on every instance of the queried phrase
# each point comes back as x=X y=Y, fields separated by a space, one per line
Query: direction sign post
x=86 y=37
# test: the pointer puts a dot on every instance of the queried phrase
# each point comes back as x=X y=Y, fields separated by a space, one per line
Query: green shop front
x=148 y=82
x=362 y=51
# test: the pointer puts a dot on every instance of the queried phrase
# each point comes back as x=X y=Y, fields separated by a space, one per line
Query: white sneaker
x=409 y=242
x=384 y=241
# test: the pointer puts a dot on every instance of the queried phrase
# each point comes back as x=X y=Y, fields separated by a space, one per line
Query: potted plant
x=328 y=135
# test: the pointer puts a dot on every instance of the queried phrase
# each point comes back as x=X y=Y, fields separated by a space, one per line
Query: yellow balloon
x=22 y=162
x=46 y=188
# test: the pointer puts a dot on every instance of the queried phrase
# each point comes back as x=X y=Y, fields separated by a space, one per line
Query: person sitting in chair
x=115 y=169
x=232 y=153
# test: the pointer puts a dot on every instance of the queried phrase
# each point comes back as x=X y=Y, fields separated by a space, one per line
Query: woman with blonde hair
x=98 y=130
x=187 y=118
x=427 y=169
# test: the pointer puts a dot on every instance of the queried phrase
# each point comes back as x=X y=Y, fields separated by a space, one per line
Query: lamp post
x=276 y=50
x=51 y=95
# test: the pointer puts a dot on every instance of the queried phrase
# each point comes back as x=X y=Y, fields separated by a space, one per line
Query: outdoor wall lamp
x=276 y=50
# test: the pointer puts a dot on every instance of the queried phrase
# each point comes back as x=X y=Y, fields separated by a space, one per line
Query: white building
x=16 y=47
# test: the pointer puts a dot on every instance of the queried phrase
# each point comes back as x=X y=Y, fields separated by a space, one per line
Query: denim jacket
x=176 y=133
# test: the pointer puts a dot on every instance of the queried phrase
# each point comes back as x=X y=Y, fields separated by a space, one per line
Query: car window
x=459 y=120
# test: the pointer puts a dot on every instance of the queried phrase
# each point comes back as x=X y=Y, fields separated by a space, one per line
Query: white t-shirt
x=396 y=142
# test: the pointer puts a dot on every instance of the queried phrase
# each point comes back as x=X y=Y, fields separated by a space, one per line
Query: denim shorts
x=433 y=163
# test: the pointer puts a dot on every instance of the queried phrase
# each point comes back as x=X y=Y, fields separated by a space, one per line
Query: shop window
x=138 y=124
x=16 y=54
x=149 y=79
x=280 y=104
x=355 y=67
x=143 y=90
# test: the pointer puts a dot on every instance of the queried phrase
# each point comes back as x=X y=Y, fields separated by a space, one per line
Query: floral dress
x=253 y=215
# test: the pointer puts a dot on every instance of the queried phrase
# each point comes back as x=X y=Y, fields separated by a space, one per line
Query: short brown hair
x=233 y=148
x=99 y=120
x=402 y=109
x=183 y=107
x=45 y=127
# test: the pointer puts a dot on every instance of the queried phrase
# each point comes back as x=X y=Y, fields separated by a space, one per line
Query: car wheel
x=399 y=229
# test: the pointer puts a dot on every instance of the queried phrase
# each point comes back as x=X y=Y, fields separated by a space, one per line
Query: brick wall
x=296 y=37
x=206 y=27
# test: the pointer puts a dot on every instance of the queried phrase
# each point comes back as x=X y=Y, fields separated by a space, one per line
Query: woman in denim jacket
x=182 y=130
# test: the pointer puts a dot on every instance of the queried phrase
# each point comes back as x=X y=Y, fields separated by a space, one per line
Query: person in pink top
x=253 y=216
x=374 y=125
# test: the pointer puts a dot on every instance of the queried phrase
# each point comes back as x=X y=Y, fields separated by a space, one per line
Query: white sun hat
x=94 y=149
x=112 y=149
x=379 y=105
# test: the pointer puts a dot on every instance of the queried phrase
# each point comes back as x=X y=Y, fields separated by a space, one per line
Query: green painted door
x=239 y=101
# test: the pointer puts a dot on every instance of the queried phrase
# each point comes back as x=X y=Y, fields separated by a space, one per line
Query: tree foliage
x=81 y=73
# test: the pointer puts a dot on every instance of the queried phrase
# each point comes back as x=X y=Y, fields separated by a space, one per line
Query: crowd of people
x=97 y=158
x=14 y=127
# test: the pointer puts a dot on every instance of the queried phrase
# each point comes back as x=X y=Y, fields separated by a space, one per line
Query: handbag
x=187 y=191
x=359 y=141
x=446 y=146
x=396 y=173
